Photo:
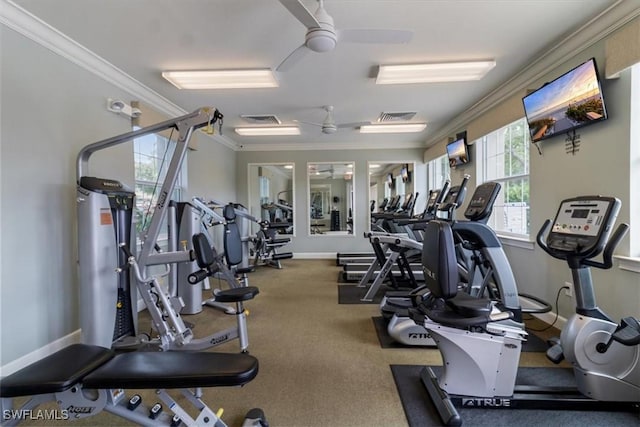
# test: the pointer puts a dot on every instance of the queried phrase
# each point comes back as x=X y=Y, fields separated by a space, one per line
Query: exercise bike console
x=581 y=227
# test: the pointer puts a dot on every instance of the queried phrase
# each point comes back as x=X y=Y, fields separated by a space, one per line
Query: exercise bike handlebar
x=607 y=253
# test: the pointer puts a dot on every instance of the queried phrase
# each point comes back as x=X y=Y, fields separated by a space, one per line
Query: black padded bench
x=62 y=376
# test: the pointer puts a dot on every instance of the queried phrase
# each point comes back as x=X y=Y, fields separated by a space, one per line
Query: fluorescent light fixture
x=288 y=166
x=395 y=128
x=221 y=79
x=433 y=73
x=268 y=131
x=374 y=166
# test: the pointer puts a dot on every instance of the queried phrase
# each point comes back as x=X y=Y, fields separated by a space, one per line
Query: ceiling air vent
x=396 y=117
x=263 y=119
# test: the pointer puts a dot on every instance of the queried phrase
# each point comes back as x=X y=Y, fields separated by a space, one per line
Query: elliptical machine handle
x=463 y=191
x=607 y=253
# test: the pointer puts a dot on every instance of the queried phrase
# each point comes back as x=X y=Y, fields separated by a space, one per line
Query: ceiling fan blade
x=301 y=13
x=309 y=123
x=293 y=58
x=352 y=125
x=375 y=36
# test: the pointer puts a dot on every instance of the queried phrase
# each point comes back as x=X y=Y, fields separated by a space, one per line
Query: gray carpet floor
x=321 y=363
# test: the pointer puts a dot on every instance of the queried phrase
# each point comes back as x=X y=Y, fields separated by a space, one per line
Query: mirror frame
x=310 y=232
x=250 y=187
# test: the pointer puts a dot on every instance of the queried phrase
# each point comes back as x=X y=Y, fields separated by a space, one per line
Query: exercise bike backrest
x=581 y=230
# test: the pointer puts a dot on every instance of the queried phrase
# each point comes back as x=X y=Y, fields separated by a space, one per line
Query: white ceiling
x=145 y=37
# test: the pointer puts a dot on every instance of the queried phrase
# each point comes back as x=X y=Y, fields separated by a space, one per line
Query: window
x=152 y=155
x=504 y=157
x=437 y=172
x=265 y=191
x=634 y=167
x=400 y=191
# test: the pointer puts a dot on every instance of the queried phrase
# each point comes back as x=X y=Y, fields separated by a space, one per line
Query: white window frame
x=438 y=171
x=632 y=262
x=482 y=152
x=159 y=161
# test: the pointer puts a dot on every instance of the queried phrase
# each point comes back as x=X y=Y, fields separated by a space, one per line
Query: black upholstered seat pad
x=242 y=293
x=56 y=372
x=173 y=369
x=281 y=241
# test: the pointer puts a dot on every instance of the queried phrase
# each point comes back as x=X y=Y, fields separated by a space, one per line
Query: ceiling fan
x=329 y=125
x=322 y=36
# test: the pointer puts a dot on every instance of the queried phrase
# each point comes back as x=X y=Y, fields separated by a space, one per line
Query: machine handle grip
x=540 y=237
x=607 y=253
x=443 y=192
x=197 y=276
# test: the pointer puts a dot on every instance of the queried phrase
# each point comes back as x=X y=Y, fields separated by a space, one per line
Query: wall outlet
x=568 y=291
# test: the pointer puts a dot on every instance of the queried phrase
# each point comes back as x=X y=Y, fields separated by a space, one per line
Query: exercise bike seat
x=57 y=372
x=468 y=306
x=173 y=369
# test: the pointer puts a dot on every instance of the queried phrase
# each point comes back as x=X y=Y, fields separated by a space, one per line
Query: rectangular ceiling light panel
x=396 y=128
x=433 y=73
x=268 y=131
x=221 y=79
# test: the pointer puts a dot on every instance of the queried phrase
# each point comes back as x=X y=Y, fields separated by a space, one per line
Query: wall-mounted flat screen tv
x=458 y=152
x=390 y=180
x=571 y=101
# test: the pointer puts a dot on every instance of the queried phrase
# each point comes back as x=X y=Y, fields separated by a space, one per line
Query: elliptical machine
x=481 y=356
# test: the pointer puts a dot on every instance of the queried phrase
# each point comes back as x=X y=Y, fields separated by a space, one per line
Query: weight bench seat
x=57 y=372
x=100 y=368
x=279 y=242
x=173 y=369
x=242 y=293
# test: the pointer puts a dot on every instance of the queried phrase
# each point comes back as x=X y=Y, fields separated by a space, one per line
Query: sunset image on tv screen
x=570 y=101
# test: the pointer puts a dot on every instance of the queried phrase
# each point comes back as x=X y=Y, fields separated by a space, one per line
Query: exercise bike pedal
x=555 y=353
x=629 y=332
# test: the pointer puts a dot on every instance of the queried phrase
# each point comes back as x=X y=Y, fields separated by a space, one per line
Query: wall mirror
x=391 y=186
x=331 y=198
x=271 y=194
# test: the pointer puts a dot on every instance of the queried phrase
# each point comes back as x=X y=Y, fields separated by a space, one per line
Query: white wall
x=51 y=109
x=601 y=166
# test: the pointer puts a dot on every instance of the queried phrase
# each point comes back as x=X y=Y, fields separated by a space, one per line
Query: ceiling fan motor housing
x=322 y=38
x=329 y=128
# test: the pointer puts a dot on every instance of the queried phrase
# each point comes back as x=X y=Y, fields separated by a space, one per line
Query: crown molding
x=597 y=28
x=35 y=29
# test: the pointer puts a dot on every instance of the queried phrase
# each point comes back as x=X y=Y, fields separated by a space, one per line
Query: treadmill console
x=583 y=224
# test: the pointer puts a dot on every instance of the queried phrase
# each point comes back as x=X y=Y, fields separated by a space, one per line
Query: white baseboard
x=315 y=255
x=41 y=353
